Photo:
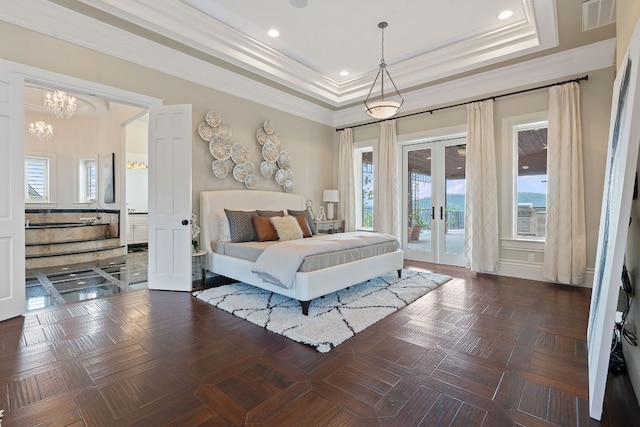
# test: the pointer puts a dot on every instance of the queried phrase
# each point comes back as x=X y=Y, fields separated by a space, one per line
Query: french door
x=434 y=191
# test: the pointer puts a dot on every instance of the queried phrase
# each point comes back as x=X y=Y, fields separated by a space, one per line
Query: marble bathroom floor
x=52 y=286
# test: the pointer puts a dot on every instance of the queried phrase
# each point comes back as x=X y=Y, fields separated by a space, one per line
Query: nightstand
x=330 y=226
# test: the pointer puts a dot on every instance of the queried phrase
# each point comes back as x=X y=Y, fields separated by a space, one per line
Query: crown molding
x=50 y=19
x=53 y=20
x=193 y=27
x=551 y=67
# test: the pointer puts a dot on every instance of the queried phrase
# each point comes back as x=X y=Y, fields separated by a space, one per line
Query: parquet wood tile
x=481 y=350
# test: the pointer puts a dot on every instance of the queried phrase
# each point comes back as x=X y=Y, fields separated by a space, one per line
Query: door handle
x=433 y=212
x=185 y=222
x=441 y=212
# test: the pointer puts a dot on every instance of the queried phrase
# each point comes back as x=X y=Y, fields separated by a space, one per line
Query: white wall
x=81 y=137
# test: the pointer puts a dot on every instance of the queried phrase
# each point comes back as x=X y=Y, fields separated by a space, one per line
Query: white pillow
x=224 y=233
x=287 y=227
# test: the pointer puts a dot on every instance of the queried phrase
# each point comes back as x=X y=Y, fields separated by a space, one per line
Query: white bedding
x=279 y=263
x=307 y=285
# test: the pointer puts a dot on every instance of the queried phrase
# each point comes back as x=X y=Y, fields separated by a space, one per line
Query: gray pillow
x=305 y=212
x=270 y=213
x=241 y=226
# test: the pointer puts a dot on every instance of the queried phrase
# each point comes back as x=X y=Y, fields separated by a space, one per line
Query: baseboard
x=533 y=271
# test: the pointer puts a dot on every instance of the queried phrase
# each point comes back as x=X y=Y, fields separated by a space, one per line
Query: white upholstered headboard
x=241 y=200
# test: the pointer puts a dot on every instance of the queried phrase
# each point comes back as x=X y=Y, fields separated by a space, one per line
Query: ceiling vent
x=596 y=13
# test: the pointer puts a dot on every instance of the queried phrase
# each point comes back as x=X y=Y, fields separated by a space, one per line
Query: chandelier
x=383 y=108
x=41 y=130
x=61 y=104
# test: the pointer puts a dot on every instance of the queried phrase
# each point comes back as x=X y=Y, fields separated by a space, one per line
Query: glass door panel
x=419 y=207
x=455 y=189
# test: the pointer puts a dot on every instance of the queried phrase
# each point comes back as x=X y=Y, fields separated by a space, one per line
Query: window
x=530 y=143
x=88 y=181
x=36 y=178
x=364 y=174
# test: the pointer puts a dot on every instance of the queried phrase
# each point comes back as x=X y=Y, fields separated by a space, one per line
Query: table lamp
x=331 y=197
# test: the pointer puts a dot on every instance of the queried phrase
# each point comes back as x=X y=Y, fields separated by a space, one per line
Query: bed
x=307 y=285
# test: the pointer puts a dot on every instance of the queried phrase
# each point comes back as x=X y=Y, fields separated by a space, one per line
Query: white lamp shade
x=330 y=196
x=382 y=109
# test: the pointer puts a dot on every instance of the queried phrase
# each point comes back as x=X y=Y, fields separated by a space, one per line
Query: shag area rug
x=332 y=319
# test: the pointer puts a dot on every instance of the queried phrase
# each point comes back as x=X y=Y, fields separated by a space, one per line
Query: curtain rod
x=577 y=80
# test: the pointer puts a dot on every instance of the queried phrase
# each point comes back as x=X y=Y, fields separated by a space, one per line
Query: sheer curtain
x=565 y=251
x=385 y=207
x=481 y=242
x=346 y=186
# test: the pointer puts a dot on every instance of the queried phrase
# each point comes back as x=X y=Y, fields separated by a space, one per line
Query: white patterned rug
x=332 y=319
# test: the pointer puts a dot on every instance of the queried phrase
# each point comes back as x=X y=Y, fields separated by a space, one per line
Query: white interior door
x=12 y=273
x=434 y=188
x=170 y=198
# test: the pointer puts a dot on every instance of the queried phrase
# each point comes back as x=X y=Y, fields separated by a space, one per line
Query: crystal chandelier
x=383 y=109
x=41 y=130
x=61 y=104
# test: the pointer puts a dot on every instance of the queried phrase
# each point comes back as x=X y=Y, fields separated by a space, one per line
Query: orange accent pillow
x=304 y=225
x=264 y=228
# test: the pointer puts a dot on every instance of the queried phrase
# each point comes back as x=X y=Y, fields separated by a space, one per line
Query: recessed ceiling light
x=344 y=73
x=505 y=14
x=273 y=32
x=525 y=167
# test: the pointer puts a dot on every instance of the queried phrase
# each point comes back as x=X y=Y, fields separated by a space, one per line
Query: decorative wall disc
x=288 y=186
x=251 y=181
x=239 y=153
x=275 y=138
x=219 y=148
x=270 y=152
x=284 y=160
x=268 y=169
x=268 y=128
x=241 y=172
x=220 y=168
x=223 y=132
x=205 y=131
x=282 y=175
x=213 y=119
x=261 y=136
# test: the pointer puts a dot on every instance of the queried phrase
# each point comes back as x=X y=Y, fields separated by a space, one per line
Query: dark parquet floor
x=478 y=351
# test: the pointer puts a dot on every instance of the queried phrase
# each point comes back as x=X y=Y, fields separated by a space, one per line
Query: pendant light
x=382 y=108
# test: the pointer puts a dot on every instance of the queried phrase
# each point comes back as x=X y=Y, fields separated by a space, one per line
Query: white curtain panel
x=385 y=206
x=481 y=243
x=565 y=251
x=346 y=185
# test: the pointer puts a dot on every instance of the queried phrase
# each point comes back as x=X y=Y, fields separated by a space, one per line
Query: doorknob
x=185 y=222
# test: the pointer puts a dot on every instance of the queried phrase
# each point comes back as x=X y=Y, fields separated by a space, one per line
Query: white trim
x=552 y=67
x=533 y=271
x=53 y=20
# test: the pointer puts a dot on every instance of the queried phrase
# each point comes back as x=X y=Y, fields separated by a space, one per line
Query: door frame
x=451 y=133
x=43 y=77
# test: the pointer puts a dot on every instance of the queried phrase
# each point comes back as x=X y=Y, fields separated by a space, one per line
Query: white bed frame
x=307 y=286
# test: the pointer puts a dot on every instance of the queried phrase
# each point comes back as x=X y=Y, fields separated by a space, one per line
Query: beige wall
x=595 y=107
x=628 y=15
x=310 y=144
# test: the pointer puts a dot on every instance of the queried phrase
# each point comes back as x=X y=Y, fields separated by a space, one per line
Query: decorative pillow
x=270 y=214
x=241 y=226
x=224 y=235
x=304 y=225
x=264 y=229
x=306 y=213
x=287 y=227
